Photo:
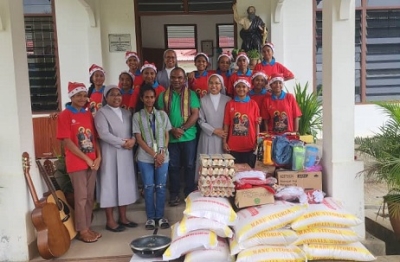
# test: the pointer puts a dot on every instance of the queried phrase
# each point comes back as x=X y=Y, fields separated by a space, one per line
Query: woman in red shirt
x=133 y=61
x=244 y=72
x=280 y=110
x=269 y=66
x=241 y=123
x=223 y=69
x=197 y=80
x=96 y=89
x=126 y=87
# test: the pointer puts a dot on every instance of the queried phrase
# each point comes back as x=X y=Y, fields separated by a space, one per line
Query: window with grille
x=383 y=55
x=41 y=52
x=377 y=51
x=183 y=39
x=225 y=37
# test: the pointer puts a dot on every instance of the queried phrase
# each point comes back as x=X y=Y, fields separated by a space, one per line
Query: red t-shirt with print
x=79 y=127
x=95 y=100
x=242 y=119
x=280 y=113
x=126 y=97
x=199 y=84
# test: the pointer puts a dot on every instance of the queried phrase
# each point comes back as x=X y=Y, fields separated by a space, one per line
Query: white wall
x=367 y=119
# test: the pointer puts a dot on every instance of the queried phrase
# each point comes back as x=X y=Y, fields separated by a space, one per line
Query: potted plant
x=383 y=152
x=311 y=108
x=254 y=56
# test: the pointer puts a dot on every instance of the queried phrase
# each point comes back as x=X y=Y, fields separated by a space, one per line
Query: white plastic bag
x=354 y=251
x=218 y=254
x=326 y=236
x=271 y=253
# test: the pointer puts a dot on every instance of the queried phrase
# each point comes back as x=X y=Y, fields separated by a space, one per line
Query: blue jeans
x=151 y=178
x=182 y=154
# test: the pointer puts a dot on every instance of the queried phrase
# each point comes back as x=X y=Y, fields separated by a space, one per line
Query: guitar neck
x=46 y=179
x=26 y=167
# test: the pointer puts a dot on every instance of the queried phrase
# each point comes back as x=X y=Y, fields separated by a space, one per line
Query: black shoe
x=129 y=224
x=119 y=228
x=174 y=201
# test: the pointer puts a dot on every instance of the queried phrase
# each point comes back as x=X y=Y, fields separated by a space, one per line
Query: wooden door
x=44 y=134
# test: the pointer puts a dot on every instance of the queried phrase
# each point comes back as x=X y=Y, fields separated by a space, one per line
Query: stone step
x=137 y=213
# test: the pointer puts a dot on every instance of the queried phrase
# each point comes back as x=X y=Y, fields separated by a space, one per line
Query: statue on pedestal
x=254 y=32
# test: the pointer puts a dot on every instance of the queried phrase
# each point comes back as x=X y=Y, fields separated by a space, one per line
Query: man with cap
x=82 y=157
x=182 y=107
x=280 y=110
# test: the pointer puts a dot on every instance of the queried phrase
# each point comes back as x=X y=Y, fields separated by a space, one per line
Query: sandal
x=97 y=234
x=150 y=224
x=87 y=238
x=163 y=223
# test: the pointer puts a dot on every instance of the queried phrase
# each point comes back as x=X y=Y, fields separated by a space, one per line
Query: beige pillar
x=340 y=170
x=16 y=136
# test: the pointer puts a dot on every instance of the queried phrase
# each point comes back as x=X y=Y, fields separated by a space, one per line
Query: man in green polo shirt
x=182 y=106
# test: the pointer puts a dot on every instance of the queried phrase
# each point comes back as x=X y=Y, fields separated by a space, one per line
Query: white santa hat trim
x=131 y=54
x=91 y=72
x=76 y=90
x=270 y=45
x=222 y=55
x=147 y=65
x=242 y=55
x=259 y=74
x=202 y=54
x=275 y=79
x=244 y=81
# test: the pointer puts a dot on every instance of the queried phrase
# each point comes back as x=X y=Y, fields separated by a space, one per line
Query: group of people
x=160 y=121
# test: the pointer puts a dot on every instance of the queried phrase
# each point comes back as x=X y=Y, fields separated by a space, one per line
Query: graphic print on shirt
x=240 y=125
x=93 y=107
x=280 y=122
x=85 y=140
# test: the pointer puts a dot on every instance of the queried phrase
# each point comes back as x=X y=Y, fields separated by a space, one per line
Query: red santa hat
x=242 y=54
x=255 y=74
x=270 y=45
x=224 y=55
x=244 y=81
x=130 y=54
x=93 y=68
x=276 y=77
x=202 y=54
x=74 y=88
x=148 y=65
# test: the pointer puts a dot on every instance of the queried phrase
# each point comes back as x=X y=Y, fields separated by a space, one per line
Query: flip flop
x=87 y=238
x=97 y=234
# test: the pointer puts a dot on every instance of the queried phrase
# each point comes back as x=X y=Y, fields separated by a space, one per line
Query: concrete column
x=340 y=170
x=16 y=136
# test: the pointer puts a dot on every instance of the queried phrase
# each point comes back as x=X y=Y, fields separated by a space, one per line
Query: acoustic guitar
x=52 y=236
x=57 y=197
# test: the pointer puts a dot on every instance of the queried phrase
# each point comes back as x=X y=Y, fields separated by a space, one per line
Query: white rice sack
x=218 y=254
x=188 y=224
x=254 y=220
x=194 y=240
x=271 y=253
x=278 y=237
x=329 y=213
x=326 y=236
x=215 y=208
x=354 y=251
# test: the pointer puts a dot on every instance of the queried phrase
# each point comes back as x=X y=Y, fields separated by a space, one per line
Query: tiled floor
x=115 y=246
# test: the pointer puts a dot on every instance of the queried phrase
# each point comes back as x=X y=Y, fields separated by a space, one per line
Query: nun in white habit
x=117 y=184
x=211 y=119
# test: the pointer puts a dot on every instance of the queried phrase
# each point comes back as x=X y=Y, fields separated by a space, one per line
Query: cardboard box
x=253 y=197
x=304 y=179
x=269 y=170
x=242 y=167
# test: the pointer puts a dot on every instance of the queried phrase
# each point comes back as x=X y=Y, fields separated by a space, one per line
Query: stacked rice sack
x=202 y=232
x=215 y=175
x=325 y=232
x=261 y=233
